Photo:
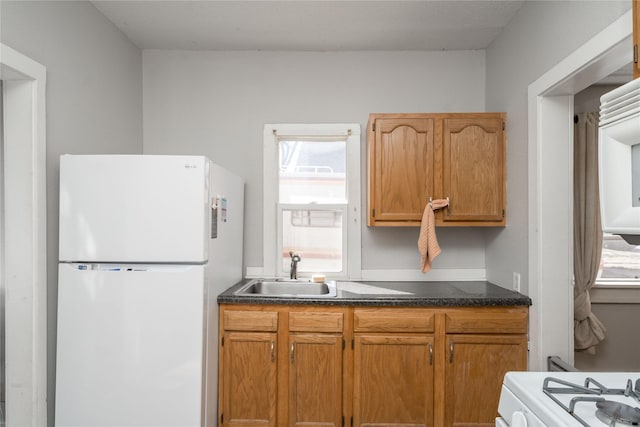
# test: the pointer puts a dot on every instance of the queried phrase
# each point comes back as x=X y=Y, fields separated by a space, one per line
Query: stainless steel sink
x=289 y=289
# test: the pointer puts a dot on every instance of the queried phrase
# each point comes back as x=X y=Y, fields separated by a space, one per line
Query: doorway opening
x=24 y=238
x=550 y=100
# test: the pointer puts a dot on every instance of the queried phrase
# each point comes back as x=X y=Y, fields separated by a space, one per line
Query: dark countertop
x=395 y=294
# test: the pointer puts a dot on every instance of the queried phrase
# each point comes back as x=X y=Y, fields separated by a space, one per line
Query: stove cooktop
x=523 y=396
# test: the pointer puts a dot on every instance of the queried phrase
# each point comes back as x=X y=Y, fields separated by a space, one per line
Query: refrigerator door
x=130 y=345
x=134 y=208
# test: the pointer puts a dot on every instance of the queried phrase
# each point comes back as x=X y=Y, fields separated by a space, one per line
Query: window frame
x=351 y=221
x=615 y=290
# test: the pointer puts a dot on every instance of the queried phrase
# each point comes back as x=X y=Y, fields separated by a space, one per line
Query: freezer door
x=129 y=346
x=134 y=208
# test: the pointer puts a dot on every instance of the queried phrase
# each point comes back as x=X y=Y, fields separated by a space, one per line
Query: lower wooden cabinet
x=393 y=380
x=347 y=366
x=315 y=380
x=287 y=371
x=248 y=380
x=475 y=367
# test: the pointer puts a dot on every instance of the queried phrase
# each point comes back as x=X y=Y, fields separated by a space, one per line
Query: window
x=312 y=199
x=619 y=263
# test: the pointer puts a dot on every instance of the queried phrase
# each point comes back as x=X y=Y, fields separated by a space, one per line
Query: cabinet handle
x=273 y=351
x=448 y=206
x=430 y=354
x=293 y=348
x=451 y=351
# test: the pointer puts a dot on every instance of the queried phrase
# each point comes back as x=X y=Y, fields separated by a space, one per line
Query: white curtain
x=587 y=231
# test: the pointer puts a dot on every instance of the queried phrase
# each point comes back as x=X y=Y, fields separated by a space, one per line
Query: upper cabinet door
x=473 y=170
x=401 y=169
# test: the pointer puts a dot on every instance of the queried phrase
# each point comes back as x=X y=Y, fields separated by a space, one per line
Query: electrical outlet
x=516 y=282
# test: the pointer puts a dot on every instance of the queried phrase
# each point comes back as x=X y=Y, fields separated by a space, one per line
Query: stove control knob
x=518 y=419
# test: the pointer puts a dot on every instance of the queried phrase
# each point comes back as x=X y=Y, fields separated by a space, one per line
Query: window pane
x=315 y=235
x=620 y=261
x=312 y=172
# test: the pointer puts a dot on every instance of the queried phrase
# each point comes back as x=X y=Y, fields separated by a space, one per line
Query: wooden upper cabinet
x=636 y=39
x=413 y=158
x=400 y=168
x=473 y=170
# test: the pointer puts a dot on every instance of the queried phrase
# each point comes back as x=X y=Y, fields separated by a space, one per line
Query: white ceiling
x=303 y=25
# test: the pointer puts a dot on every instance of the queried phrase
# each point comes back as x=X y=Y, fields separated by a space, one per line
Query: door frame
x=24 y=85
x=550 y=121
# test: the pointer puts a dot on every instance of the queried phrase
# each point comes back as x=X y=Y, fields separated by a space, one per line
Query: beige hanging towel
x=427 y=242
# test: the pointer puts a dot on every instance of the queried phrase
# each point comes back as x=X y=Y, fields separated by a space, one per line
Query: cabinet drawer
x=487 y=320
x=250 y=320
x=393 y=320
x=315 y=322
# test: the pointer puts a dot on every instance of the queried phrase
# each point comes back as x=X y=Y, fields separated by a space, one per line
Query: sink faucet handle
x=294 y=256
x=295 y=259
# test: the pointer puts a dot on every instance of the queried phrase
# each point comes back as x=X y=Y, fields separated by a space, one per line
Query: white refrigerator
x=146 y=244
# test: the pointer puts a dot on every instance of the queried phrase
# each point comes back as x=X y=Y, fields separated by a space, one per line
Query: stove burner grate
x=614 y=413
x=592 y=392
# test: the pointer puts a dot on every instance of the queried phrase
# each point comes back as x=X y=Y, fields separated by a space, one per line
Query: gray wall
x=94 y=102
x=540 y=35
x=620 y=349
x=216 y=103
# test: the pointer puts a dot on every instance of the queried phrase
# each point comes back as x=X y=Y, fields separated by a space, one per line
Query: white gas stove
x=554 y=399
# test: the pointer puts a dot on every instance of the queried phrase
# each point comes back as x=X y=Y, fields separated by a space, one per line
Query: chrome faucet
x=295 y=259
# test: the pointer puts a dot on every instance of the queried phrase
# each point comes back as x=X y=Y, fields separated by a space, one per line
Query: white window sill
x=616 y=293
